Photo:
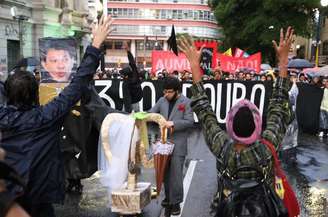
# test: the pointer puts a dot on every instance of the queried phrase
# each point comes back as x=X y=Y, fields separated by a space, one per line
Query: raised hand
x=187 y=46
x=283 y=48
x=101 y=30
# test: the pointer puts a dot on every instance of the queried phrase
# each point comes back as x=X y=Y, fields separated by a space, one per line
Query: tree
x=253 y=24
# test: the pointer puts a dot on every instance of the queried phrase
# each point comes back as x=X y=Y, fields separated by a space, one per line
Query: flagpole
x=144 y=59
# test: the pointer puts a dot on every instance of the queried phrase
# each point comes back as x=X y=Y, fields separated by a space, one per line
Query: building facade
x=147 y=24
x=45 y=18
x=306 y=47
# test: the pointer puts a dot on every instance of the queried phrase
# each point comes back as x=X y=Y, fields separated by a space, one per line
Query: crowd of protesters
x=216 y=74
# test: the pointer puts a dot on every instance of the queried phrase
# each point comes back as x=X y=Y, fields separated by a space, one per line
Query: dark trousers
x=37 y=210
x=173 y=180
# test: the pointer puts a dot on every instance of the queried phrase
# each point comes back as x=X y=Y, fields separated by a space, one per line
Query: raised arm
x=215 y=137
x=72 y=93
x=279 y=113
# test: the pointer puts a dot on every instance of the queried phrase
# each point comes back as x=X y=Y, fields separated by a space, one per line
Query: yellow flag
x=228 y=52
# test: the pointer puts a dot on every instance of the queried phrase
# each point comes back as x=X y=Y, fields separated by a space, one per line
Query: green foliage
x=246 y=23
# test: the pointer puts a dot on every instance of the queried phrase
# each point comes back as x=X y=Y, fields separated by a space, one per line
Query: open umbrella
x=265 y=67
x=323 y=71
x=299 y=64
x=29 y=63
x=312 y=72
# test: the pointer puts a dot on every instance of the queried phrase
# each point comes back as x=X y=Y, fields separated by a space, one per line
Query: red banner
x=231 y=64
x=169 y=61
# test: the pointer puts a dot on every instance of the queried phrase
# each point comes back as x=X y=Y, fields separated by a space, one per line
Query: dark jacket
x=31 y=137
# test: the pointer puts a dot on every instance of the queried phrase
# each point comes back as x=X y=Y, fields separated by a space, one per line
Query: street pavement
x=306 y=168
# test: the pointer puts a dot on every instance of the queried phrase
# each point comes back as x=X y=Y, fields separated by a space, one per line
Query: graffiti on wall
x=11 y=30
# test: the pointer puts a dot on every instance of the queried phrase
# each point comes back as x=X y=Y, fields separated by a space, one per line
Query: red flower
x=182 y=107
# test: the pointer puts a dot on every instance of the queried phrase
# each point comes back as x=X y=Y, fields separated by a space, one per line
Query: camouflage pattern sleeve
x=279 y=114
x=215 y=137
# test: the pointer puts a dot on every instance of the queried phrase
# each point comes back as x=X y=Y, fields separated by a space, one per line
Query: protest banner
x=169 y=61
x=231 y=64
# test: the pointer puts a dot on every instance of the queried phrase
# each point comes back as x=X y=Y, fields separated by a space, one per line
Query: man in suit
x=175 y=107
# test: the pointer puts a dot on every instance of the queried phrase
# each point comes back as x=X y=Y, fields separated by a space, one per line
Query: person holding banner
x=244 y=150
x=30 y=132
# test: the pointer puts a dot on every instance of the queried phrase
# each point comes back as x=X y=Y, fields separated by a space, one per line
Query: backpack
x=283 y=188
x=241 y=197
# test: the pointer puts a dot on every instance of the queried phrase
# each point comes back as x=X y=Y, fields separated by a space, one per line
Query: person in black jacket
x=132 y=92
x=30 y=132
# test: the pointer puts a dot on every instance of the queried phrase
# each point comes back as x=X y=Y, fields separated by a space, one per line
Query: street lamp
x=21 y=19
x=324 y=3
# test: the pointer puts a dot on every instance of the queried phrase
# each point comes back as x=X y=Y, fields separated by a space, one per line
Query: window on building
x=125 y=12
x=56 y=4
x=185 y=14
x=140 y=45
x=163 y=14
x=119 y=12
x=115 y=12
x=118 y=45
x=174 y=14
x=190 y=14
x=109 y=45
x=158 y=45
x=136 y=13
x=325 y=48
x=163 y=29
x=179 y=14
x=13 y=48
x=196 y=15
x=323 y=21
x=206 y=15
x=157 y=13
x=130 y=12
x=201 y=15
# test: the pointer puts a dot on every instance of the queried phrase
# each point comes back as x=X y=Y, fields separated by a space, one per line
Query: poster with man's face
x=58 y=59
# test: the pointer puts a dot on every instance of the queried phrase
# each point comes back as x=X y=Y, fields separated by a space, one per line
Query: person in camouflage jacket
x=244 y=121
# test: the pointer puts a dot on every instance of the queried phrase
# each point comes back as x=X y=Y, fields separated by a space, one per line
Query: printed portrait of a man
x=58 y=59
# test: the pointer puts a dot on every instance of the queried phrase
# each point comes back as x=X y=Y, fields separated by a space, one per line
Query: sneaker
x=321 y=134
x=165 y=203
x=175 y=209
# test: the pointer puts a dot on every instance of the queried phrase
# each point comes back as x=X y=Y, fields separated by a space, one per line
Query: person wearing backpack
x=250 y=180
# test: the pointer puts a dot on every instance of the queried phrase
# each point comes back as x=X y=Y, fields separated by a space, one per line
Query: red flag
x=239 y=52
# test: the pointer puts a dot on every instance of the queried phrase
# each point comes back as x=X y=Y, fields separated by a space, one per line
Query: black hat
x=172 y=42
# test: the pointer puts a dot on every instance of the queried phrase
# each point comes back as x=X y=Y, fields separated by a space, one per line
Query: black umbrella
x=29 y=63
